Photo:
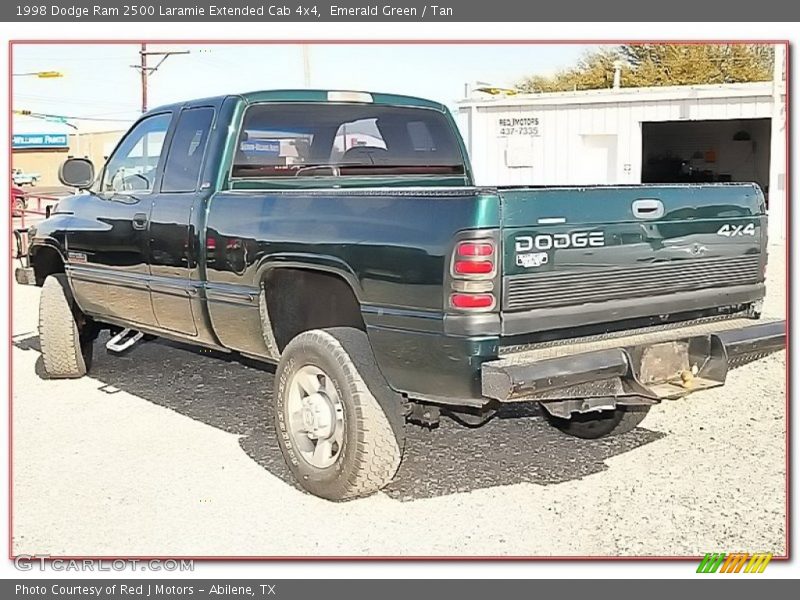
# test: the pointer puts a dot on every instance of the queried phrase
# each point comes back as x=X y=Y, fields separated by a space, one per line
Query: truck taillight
x=473 y=267
x=475 y=249
x=472 y=301
x=473 y=270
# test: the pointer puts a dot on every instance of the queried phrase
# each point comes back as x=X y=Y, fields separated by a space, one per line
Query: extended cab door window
x=134 y=165
x=185 y=158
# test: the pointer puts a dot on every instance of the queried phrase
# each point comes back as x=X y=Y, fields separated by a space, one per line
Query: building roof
x=641 y=94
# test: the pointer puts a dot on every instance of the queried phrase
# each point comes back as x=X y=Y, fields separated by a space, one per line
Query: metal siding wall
x=556 y=153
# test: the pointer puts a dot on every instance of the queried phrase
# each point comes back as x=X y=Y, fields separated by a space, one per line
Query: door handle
x=140 y=221
x=648 y=208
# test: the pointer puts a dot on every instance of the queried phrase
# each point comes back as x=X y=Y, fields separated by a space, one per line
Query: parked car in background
x=19 y=177
x=19 y=201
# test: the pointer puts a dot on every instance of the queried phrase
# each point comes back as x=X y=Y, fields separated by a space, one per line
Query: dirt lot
x=170 y=451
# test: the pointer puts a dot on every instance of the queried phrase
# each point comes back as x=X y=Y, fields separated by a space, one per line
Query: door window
x=133 y=167
x=185 y=157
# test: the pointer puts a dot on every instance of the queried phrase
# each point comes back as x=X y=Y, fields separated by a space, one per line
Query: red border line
x=11 y=44
x=788 y=291
x=10 y=315
x=389 y=42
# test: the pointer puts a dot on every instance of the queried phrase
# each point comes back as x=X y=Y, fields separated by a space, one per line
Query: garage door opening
x=706 y=151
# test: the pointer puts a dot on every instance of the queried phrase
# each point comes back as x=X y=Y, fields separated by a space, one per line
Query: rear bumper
x=753 y=341
x=667 y=363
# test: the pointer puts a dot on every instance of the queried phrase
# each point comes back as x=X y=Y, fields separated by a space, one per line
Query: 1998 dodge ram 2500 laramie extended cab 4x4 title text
x=341 y=236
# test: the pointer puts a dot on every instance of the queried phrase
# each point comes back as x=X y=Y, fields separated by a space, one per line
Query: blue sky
x=99 y=82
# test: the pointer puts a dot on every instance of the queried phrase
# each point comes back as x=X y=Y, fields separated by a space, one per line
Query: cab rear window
x=300 y=139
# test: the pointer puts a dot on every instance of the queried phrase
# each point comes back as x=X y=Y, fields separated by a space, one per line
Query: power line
x=61 y=118
x=74 y=118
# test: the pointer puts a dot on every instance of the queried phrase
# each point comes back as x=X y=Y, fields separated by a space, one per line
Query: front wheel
x=340 y=427
x=594 y=425
x=66 y=335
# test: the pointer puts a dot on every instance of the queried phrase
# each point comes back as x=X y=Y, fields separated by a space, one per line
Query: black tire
x=374 y=425
x=594 y=425
x=20 y=206
x=65 y=334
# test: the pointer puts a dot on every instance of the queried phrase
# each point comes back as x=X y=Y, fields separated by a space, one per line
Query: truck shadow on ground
x=234 y=395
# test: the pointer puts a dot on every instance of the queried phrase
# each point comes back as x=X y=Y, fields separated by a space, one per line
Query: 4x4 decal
x=729 y=230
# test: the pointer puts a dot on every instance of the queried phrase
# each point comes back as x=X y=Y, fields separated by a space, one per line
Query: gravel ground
x=170 y=451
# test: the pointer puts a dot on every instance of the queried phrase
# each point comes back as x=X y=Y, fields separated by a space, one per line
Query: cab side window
x=134 y=164
x=185 y=157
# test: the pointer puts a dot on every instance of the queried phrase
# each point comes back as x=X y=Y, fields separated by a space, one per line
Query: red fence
x=35 y=206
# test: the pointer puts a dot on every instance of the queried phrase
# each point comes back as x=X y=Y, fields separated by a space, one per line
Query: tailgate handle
x=648 y=208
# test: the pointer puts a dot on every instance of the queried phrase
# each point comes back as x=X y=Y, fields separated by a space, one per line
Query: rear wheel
x=594 y=425
x=66 y=335
x=340 y=427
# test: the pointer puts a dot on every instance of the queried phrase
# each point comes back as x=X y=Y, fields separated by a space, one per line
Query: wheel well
x=302 y=299
x=46 y=261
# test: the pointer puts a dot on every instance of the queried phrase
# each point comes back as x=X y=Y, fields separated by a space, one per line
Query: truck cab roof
x=340 y=96
x=306 y=95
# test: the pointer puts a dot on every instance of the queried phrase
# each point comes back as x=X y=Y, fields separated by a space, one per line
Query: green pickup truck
x=340 y=236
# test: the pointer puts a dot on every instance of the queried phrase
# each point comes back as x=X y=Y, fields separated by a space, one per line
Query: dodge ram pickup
x=340 y=236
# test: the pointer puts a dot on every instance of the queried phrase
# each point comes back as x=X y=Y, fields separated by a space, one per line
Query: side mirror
x=77 y=173
x=48 y=211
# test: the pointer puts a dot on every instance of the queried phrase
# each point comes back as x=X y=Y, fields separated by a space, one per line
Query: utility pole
x=146 y=70
x=143 y=73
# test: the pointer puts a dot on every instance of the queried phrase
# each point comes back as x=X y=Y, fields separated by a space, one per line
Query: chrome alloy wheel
x=315 y=416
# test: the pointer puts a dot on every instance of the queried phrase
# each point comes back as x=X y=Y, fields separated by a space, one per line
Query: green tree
x=659 y=64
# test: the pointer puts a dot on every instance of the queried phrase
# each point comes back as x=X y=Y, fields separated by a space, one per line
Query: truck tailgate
x=621 y=252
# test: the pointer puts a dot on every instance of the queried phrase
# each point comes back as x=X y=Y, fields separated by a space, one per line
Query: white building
x=734 y=132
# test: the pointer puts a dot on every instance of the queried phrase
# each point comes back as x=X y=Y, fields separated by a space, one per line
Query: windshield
x=298 y=139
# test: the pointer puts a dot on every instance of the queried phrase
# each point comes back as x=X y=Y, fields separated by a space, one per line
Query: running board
x=124 y=340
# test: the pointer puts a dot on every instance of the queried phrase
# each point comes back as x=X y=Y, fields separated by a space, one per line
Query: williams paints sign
x=39 y=140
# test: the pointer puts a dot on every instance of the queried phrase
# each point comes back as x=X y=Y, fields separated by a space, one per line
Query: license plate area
x=677 y=367
x=664 y=362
